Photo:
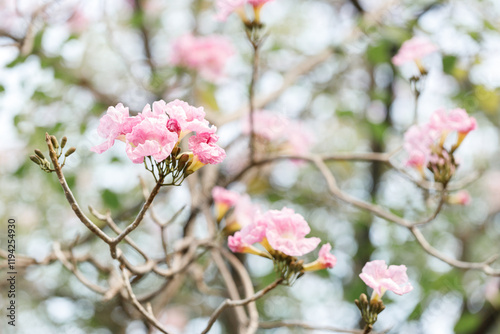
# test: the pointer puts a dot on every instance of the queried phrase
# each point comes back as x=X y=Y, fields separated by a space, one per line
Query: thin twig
x=148 y=315
x=233 y=303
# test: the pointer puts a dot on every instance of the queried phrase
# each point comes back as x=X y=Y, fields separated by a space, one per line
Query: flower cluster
x=282 y=233
x=381 y=279
x=414 y=50
x=156 y=133
x=227 y=7
x=425 y=144
x=207 y=55
x=279 y=132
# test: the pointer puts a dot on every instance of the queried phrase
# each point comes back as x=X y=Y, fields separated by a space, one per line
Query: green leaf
x=449 y=64
x=110 y=199
x=379 y=53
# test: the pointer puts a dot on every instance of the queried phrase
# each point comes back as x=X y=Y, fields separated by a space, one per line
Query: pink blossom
x=461 y=198
x=224 y=196
x=150 y=138
x=114 y=125
x=459 y=121
x=227 y=7
x=289 y=135
x=454 y=120
x=242 y=241
x=224 y=199
x=380 y=278
x=205 y=150
x=188 y=118
x=208 y=55
x=244 y=214
x=236 y=244
x=286 y=231
x=417 y=142
x=413 y=50
x=325 y=259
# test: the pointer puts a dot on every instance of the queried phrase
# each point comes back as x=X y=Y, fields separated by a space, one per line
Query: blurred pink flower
x=286 y=231
x=208 y=55
x=461 y=198
x=325 y=259
x=78 y=21
x=224 y=196
x=114 y=125
x=243 y=215
x=223 y=199
x=380 y=278
x=287 y=134
x=227 y=7
x=417 y=142
x=413 y=50
x=242 y=241
x=421 y=140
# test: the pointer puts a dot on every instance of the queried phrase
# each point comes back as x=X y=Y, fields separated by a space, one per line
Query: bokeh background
x=86 y=56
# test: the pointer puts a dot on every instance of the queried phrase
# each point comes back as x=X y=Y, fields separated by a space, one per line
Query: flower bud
x=64 y=140
x=54 y=141
x=70 y=151
x=40 y=154
x=35 y=159
x=182 y=161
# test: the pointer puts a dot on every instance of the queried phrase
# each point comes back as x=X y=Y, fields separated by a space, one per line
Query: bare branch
x=233 y=303
x=147 y=314
x=74 y=269
x=69 y=195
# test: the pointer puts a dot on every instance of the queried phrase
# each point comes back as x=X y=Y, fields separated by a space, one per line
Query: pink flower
x=289 y=135
x=325 y=259
x=242 y=241
x=417 y=142
x=208 y=55
x=224 y=196
x=244 y=214
x=454 y=120
x=227 y=7
x=461 y=198
x=184 y=117
x=205 y=150
x=286 y=231
x=224 y=199
x=413 y=50
x=114 y=125
x=150 y=138
x=380 y=278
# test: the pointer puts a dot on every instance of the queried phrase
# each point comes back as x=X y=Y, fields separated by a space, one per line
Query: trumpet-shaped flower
x=224 y=199
x=325 y=259
x=413 y=50
x=425 y=143
x=244 y=214
x=286 y=231
x=380 y=278
x=207 y=55
x=205 y=150
x=114 y=125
